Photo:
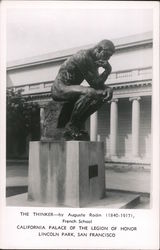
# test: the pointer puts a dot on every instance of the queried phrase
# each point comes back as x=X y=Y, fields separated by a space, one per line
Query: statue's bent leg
x=65 y=114
x=83 y=108
x=80 y=104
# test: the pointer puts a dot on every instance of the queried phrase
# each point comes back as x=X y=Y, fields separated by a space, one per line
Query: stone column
x=113 y=127
x=93 y=126
x=41 y=118
x=135 y=125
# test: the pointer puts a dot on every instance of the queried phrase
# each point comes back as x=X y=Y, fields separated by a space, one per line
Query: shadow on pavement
x=10 y=191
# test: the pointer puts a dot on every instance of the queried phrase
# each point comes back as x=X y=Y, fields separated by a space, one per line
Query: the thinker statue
x=79 y=102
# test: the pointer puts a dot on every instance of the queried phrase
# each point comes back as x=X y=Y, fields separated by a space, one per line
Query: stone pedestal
x=67 y=173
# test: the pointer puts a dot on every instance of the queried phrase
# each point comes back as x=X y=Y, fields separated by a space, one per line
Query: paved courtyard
x=118 y=178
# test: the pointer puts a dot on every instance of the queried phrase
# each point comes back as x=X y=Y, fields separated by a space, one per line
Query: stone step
x=112 y=199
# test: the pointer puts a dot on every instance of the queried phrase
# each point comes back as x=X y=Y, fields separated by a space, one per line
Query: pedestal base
x=67 y=173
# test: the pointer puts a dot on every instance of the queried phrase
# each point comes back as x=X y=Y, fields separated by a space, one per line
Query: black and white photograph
x=79 y=114
x=79 y=94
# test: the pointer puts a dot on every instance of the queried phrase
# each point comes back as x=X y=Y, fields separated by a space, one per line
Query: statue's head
x=104 y=50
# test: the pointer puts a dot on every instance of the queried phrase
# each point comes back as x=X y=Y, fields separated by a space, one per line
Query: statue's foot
x=76 y=135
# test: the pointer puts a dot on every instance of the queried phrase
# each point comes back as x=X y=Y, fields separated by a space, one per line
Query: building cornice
x=119 y=81
x=131 y=84
x=139 y=85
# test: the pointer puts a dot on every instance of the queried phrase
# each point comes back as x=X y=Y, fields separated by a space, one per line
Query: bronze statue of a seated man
x=81 y=101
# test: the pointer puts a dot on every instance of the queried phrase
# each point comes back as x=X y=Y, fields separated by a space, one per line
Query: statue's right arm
x=90 y=71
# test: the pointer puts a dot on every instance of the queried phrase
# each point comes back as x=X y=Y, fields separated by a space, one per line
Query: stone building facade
x=124 y=124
